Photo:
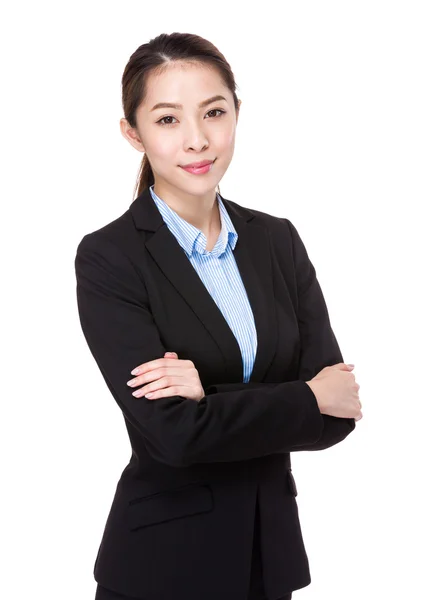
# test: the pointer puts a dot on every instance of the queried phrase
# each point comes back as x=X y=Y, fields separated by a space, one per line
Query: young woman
x=211 y=331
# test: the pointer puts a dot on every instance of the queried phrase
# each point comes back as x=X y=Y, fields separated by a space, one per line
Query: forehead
x=184 y=83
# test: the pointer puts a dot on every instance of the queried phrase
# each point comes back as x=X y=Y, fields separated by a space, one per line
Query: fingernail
x=135 y=371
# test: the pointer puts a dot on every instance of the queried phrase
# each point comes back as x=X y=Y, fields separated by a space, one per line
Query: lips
x=206 y=168
x=197 y=165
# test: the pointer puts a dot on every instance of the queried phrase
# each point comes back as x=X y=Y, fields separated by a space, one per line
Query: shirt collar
x=190 y=237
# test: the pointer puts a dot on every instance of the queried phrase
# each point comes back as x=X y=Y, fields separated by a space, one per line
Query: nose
x=195 y=137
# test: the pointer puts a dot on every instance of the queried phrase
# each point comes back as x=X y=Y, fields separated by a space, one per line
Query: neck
x=201 y=211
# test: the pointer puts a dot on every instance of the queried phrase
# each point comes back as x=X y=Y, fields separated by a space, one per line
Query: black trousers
x=256 y=587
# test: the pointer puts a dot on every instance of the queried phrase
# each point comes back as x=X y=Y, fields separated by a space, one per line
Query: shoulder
x=274 y=225
x=119 y=236
x=288 y=247
x=112 y=254
x=281 y=229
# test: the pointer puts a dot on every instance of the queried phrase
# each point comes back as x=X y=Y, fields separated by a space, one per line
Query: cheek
x=226 y=140
x=161 y=147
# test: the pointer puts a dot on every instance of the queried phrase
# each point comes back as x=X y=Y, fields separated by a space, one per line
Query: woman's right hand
x=336 y=391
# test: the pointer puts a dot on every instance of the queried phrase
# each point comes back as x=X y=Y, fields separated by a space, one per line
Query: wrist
x=313 y=387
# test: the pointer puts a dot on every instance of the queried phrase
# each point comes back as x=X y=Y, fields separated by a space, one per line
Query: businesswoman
x=219 y=309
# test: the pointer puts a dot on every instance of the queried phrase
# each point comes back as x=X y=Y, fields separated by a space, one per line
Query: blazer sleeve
x=335 y=429
x=319 y=347
x=120 y=331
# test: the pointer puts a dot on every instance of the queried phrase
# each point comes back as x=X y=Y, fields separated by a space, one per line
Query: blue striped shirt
x=219 y=272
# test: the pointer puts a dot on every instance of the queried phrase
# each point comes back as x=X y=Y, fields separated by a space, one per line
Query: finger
x=152 y=364
x=156 y=375
x=170 y=355
x=168 y=391
x=163 y=382
x=342 y=366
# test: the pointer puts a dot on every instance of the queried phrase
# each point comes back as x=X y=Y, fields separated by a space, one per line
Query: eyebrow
x=179 y=106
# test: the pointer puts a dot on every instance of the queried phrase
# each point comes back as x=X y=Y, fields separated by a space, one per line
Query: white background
x=339 y=131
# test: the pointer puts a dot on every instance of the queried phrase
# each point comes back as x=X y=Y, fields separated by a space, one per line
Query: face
x=176 y=136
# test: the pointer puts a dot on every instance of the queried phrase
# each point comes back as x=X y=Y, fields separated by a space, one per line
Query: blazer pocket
x=170 y=504
x=291 y=483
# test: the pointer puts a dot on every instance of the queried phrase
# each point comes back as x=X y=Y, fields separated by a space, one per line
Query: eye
x=219 y=110
x=162 y=119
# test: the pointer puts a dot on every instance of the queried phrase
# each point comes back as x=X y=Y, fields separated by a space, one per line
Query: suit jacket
x=182 y=518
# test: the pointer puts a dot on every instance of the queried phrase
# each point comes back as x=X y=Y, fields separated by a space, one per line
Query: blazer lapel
x=253 y=257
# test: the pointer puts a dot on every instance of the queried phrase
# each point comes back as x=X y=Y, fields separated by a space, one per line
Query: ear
x=131 y=134
x=238 y=109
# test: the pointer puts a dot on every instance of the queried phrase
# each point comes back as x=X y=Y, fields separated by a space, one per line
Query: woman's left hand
x=168 y=376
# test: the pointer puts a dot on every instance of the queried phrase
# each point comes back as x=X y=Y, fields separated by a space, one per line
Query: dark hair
x=154 y=57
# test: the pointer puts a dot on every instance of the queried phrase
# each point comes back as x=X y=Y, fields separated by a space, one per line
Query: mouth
x=196 y=165
x=198 y=168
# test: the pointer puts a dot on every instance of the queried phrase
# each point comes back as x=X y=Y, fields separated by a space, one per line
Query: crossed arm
x=232 y=422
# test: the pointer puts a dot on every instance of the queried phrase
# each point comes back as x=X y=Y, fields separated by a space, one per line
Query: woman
x=219 y=309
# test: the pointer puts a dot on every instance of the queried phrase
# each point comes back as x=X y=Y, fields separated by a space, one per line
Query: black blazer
x=182 y=519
